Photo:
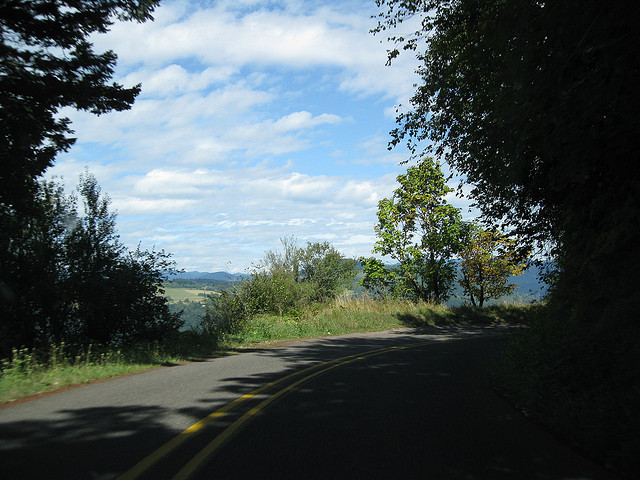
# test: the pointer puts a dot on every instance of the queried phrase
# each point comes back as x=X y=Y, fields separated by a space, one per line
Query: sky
x=257 y=120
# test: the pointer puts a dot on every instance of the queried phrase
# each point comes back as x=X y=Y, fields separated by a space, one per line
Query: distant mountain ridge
x=230 y=277
x=528 y=287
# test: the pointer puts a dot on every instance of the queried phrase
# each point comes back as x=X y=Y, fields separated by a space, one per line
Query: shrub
x=283 y=284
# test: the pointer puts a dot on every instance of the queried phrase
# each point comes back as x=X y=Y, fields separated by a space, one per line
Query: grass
x=355 y=315
x=33 y=372
x=27 y=374
x=16 y=384
x=338 y=317
x=180 y=294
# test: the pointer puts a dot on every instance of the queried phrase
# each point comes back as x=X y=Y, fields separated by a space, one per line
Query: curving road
x=400 y=404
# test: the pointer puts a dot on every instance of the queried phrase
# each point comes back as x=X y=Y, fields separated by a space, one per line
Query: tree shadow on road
x=79 y=443
x=423 y=412
x=420 y=407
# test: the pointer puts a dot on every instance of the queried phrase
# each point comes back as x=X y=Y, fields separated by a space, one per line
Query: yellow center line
x=202 y=457
x=146 y=463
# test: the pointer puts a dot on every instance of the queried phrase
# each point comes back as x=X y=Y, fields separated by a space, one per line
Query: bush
x=285 y=283
x=224 y=314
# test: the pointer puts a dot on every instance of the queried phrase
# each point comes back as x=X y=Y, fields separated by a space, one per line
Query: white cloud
x=138 y=206
x=256 y=120
x=255 y=205
x=303 y=120
x=221 y=36
x=174 y=79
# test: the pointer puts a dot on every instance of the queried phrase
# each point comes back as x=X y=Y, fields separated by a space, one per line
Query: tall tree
x=46 y=63
x=33 y=305
x=116 y=293
x=536 y=104
x=422 y=232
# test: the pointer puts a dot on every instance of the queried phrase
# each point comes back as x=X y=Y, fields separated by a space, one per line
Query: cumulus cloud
x=257 y=205
x=256 y=120
x=175 y=78
x=311 y=34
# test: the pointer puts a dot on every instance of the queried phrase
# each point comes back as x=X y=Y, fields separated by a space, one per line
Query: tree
x=488 y=260
x=422 y=232
x=536 y=104
x=116 y=293
x=325 y=269
x=33 y=306
x=540 y=115
x=46 y=64
x=285 y=262
x=312 y=273
x=66 y=277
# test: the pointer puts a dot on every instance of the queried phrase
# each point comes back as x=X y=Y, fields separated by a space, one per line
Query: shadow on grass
x=467 y=315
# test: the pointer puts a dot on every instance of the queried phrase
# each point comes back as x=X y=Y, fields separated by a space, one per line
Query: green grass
x=30 y=373
x=180 y=294
x=355 y=315
x=338 y=317
x=16 y=384
x=26 y=374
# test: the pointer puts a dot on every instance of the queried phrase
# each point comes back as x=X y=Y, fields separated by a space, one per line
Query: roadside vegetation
x=116 y=313
x=296 y=292
x=364 y=314
x=34 y=371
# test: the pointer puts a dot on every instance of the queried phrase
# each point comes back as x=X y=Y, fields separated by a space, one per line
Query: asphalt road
x=402 y=404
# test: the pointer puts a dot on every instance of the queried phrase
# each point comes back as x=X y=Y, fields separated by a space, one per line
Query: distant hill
x=528 y=289
x=528 y=283
x=224 y=276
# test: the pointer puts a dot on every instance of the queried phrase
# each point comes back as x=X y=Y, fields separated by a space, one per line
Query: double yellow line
x=201 y=458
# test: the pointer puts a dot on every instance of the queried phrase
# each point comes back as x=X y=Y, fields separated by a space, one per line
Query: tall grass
x=362 y=314
x=336 y=317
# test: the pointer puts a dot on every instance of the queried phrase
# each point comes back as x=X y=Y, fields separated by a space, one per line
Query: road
x=401 y=404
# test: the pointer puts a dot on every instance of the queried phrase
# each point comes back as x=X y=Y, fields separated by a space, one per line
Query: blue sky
x=257 y=120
